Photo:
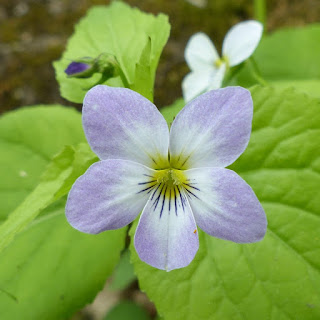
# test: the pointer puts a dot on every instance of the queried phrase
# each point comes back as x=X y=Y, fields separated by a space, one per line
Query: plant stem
x=124 y=79
x=260 y=11
x=256 y=73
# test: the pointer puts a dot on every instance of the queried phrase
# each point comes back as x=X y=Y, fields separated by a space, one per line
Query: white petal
x=216 y=79
x=167 y=237
x=241 y=41
x=200 y=52
x=195 y=83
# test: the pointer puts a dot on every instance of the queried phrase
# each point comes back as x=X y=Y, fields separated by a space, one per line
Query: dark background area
x=33 y=33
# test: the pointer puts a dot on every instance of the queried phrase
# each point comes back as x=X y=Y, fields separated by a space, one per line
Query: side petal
x=195 y=83
x=166 y=237
x=241 y=41
x=224 y=205
x=212 y=130
x=200 y=52
x=121 y=124
x=108 y=196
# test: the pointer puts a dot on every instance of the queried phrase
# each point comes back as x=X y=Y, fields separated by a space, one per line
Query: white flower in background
x=207 y=68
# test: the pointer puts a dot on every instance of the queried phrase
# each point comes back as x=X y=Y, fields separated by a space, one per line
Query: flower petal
x=212 y=130
x=200 y=52
x=217 y=78
x=166 y=237
x=241 y=41
x=108 y=196
x=195 y=83
x=224 y=205
x=121 y=124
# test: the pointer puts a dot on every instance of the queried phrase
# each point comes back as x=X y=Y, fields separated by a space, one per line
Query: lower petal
x=108 y=196
x=216 y=78
x=197 y=82
x=166 y=237
x=224 y=205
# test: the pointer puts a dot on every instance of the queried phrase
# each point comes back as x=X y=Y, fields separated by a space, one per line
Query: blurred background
x=33 y=33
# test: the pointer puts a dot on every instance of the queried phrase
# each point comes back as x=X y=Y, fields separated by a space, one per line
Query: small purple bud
x=76 y=67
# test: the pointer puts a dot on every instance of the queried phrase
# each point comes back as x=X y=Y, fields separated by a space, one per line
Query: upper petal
x=166 y=236
x=241 y=41
x=212 y=130
x=224 y=205
x=108 y=196
x=121 y=124
x=200 y=52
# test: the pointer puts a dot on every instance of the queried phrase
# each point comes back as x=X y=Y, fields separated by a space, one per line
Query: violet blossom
x=176 y=178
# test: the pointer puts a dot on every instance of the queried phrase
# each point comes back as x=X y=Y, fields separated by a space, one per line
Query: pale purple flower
x=207 y=68
x=177 y=179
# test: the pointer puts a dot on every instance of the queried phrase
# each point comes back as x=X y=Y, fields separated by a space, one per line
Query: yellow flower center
x=169 y=189
x=170 y=177
x=220 y=61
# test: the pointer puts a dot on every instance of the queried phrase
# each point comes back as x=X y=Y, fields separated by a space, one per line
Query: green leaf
x=29 y=138
x=123 y=32
x=56 y=181
x=123 y=274
x=144 y=76
x=310 y=87
x=169 y=112
x=279 y=277
x=48 y=270
x=125 y=310
x=51 y=270
x=289 y=56
x=83 y=158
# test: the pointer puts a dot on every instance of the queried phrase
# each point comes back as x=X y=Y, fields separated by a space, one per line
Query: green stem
x=260 y=10
x=256 y=73
x=259 y=79
x=229 y=77
x=124 y=79
x=122 y=76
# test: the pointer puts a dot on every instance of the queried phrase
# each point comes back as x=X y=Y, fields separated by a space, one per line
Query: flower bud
x=105 y=64
x=81 y=68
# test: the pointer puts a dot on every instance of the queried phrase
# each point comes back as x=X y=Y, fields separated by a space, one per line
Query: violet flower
x=177 y=179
